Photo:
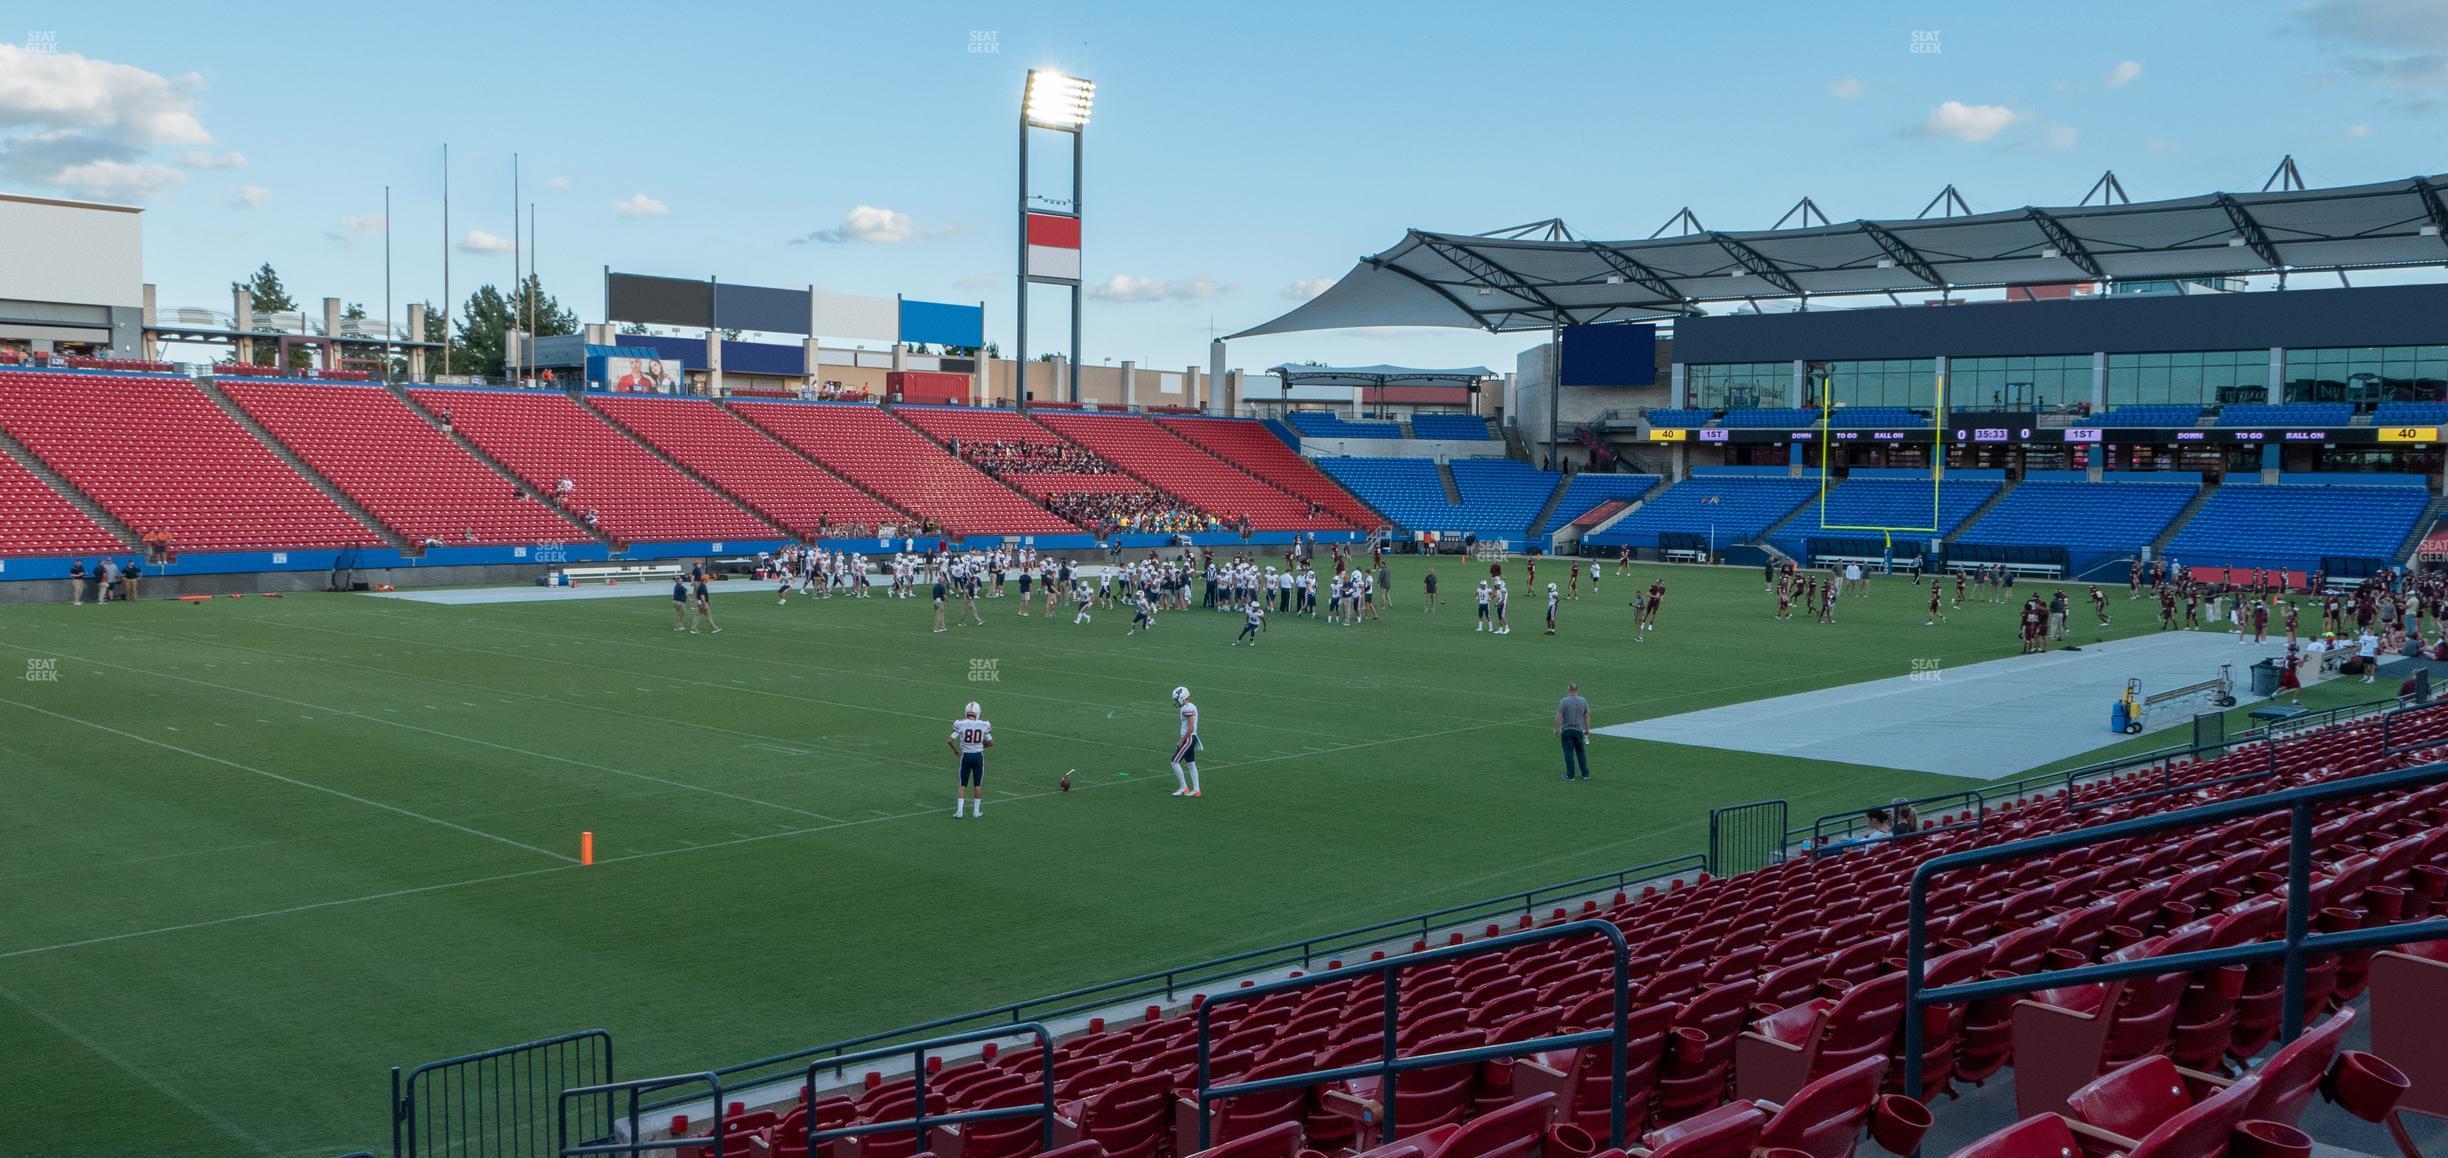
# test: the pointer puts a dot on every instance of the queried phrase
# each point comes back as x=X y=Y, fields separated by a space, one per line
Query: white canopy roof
x=1513 y=280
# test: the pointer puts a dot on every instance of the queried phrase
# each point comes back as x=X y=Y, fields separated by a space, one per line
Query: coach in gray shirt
x=1572 y=723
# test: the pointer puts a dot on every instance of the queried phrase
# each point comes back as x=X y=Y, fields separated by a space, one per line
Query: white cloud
x=2061 y=136
x=2358 y=130
x=640 y=205
x=249 y=197
x=479 y=241
x=2124 y=73
x=115 y=180
x=1126 y=289
x=127 y=103
x=207 y=159
x=85 y=126
x=558 y=183
x=363 y=223
x=1972 y=123
x=2160 y=146
x=874 y=226
x=1847 y=89
x=1307 y=288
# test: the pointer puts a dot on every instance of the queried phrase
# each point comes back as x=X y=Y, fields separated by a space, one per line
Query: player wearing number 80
x=970 y=737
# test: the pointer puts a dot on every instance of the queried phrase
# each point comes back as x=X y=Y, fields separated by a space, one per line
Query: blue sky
x=1241 y=154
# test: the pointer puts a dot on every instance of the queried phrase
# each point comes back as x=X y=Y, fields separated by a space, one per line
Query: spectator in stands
x=76 y=582
x=1572 y=727
x=446 y=420
x=1906 y=819
x=1877 y=824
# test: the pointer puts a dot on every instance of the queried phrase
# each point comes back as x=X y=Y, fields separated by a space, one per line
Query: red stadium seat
x=546 y=437
x=782 y=486
x=159 y=455
x=871 y=448
x=397 y=465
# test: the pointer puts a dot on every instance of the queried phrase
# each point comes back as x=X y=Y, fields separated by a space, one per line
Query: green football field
x=258 y=851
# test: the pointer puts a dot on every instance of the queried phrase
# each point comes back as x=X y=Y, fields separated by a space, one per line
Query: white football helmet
x=972 y=710
x=1181 y=695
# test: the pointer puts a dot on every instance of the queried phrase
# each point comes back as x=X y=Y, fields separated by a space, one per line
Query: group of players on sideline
x=1349 y=592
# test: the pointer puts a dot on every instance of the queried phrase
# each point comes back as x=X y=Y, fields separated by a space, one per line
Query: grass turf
x=259 y=851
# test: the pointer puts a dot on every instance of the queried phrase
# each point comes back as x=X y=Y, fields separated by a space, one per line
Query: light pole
x=1050 y=238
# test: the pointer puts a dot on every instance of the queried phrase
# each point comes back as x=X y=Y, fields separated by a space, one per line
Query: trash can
x=2265 y=678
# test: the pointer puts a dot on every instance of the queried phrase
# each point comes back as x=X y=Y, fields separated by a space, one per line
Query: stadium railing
x=494 y=1100
x=1387 y=1067
x=1170 y=984
x=1835 y=828
x=917 y=1052
x=2298 y=944
x=605 y=1142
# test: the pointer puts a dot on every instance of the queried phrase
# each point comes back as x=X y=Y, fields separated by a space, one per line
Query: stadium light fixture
x=1057 y=101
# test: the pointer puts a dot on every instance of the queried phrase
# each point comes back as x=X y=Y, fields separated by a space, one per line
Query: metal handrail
x=405 y=1119
x=637 y=1145
x=2072 y=778
x=2298 y=943
x=1302 y=954
x=1389 y=1065
x=919 y=1121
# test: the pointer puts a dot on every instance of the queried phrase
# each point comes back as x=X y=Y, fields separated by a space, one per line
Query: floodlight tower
x=1050 y=237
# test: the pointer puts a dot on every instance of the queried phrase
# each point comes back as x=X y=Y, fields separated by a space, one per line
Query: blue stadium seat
x=1503 y=494
x=1781 y=416
x=1456 y=426
x=1325 y=424
x=2293 y=526
x=2410 y=414
x=1886 y=502
x=1736 y=507
x=2152 y=415
x=1586 y=491
x=2314 y=414
x=1685 y=418
x=2090 y=520
x=1499 y=496
x=1879 y=417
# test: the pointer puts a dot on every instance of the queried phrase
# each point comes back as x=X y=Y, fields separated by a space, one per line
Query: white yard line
x=227 y=763
x=129 y=1068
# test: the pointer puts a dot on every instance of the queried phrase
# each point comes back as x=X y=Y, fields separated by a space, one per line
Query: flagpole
x=446 y=271
x=517 y=362
x=388 y=336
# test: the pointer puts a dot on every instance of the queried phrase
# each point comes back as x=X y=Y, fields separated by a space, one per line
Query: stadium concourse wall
x=1440 y=449
x=42 y=579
